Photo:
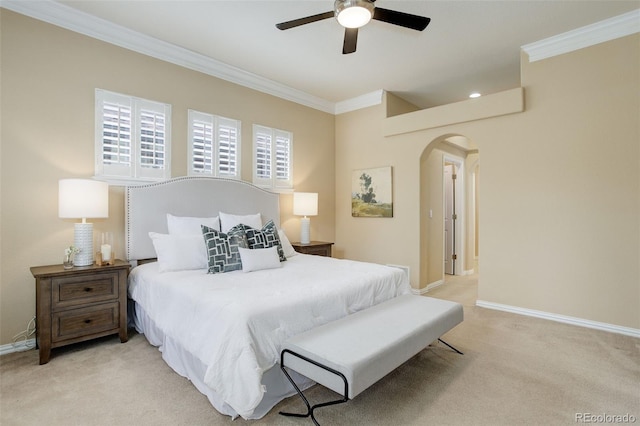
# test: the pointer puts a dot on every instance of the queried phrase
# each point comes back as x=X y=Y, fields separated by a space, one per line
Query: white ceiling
x=468 y=46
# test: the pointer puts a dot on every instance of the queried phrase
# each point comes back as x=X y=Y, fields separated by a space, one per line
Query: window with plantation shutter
x=214 y=145
x=132 y=138
x=272 y=158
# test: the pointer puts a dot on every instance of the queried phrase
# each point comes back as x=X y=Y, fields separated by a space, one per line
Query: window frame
x=217 y=123
x=134 y=172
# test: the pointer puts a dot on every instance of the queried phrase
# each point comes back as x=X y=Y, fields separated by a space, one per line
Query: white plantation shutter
x=228 y=147
x=201 y=148
x=262 y=156
x=152 y=141
x=214 y=145
x=116 y=137
x=283 y=159
x=132 y=137
x=273 y=158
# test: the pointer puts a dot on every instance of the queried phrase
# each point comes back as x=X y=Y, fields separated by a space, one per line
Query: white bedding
x=235 y=322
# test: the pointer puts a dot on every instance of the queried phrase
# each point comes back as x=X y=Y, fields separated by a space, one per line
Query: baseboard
x=24 y=345
x=627 y=331
x=428 y=287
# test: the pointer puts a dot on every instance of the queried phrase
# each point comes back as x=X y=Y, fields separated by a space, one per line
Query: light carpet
x=516 y=370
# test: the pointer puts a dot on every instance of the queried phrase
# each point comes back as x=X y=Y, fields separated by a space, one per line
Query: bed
x=224 y=331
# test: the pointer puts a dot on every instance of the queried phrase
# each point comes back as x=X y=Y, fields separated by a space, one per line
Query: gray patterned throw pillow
x=265 y=238
x=222 y=249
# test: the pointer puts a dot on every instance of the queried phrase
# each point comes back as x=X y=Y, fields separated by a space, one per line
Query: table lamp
x=305 y=204
x=82 y=199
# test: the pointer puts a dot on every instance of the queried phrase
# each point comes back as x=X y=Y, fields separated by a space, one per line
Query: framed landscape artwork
x=371 y=193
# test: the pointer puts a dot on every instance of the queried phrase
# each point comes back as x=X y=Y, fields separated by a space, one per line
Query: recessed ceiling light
x=475 y=95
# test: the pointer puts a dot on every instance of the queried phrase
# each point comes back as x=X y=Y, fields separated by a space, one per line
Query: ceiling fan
x=354 y=14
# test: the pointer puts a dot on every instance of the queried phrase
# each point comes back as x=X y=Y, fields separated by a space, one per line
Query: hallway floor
x=458 y=288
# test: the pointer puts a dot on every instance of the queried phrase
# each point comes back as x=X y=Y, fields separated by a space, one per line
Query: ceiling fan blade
x=306 y=20
x=406 y=20
x=350 y=40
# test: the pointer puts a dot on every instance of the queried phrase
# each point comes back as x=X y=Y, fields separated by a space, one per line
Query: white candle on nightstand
x=105 y=249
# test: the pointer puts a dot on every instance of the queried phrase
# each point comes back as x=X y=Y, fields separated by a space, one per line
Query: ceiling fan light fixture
x=353 y=13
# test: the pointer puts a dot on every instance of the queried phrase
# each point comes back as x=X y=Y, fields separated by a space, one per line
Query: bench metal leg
x=442 y=341
x=310 y=408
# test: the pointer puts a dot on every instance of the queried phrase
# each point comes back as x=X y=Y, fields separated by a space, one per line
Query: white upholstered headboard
x=146 y=206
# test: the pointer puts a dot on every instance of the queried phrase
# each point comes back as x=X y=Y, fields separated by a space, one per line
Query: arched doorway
x=448 y=238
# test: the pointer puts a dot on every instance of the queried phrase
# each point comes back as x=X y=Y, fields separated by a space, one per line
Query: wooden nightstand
x=320 y=248
x=83 y=303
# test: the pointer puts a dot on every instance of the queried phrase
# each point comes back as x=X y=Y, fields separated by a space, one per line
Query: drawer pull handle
x=87 y=321
x=88 y=289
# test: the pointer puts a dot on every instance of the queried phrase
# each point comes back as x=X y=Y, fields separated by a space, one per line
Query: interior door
x=449 y=219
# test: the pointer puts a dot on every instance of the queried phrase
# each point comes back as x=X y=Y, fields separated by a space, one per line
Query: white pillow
x=228 y=221
x=258 y=259
x=179 y=252
x=288 y=249
x=178 y=225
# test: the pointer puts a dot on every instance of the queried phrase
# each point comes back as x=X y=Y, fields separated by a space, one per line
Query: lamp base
x=305 y=230
x=83 y=240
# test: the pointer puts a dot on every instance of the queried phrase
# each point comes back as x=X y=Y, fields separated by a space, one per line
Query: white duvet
x=236 y=322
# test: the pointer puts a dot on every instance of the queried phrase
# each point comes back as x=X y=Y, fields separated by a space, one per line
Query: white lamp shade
x=305 y=203
x=83 y=198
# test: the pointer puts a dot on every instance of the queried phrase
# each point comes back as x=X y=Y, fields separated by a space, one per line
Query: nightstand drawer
x=318 y=251
x=318 y=248
x=85 y=321
x=83 y=289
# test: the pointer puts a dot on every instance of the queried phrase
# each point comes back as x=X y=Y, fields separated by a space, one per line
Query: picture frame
x=372 y=192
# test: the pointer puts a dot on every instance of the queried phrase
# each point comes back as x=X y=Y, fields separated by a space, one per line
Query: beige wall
x=559 y=218
x=359 y=145
x=48 y=78
x=397 y=106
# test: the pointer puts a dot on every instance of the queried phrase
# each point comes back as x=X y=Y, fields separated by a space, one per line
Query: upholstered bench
x=350 y=354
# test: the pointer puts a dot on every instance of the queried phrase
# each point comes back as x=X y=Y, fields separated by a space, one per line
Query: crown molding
x=66 y=17
x=600 y=32
x=362 y=101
